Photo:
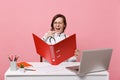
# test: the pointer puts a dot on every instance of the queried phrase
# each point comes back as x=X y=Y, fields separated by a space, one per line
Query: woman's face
x=58 y=25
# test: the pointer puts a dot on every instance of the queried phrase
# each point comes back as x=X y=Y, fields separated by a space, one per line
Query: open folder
x=57 y=53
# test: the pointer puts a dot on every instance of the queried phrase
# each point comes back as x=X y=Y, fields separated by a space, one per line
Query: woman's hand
x=77 y=52
x=50 y=33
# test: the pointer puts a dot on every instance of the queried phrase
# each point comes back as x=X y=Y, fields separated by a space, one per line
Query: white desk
x=46 y=71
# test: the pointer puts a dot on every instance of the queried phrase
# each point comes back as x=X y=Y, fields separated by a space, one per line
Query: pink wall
x=96 y=23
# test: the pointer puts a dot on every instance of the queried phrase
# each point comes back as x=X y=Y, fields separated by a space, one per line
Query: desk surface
x=46 y=71
x=45 y=68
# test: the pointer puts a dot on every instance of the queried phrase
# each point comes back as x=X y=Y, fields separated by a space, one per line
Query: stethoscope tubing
x=52 y=38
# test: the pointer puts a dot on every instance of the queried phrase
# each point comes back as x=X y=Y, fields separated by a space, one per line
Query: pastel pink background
x=96 y=23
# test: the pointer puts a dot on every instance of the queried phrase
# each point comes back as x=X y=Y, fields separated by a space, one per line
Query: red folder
x=57 y=53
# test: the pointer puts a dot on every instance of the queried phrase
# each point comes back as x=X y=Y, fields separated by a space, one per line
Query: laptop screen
x=93 y=61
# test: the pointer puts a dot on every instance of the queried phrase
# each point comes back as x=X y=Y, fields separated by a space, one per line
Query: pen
x=9 y=58
x=30 y=69
x=16 y=58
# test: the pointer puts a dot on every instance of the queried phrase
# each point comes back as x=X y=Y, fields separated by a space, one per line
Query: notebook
x=57 y=53
x=92 y=61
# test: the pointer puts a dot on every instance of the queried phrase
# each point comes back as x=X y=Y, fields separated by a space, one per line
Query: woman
x=56 y=32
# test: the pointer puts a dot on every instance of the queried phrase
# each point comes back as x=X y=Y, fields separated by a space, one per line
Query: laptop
x=92 y=61
x=56 y=53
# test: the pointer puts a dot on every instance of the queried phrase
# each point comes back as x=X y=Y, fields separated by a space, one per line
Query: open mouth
x=57 y=28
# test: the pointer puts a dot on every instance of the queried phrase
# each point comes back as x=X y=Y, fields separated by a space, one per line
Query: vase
x=13 y=66
x=22 y=70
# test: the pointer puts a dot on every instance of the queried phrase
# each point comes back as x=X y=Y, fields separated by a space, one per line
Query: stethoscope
x=52 y=39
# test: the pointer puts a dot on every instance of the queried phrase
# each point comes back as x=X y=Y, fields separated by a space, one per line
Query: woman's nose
x=57 y=25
